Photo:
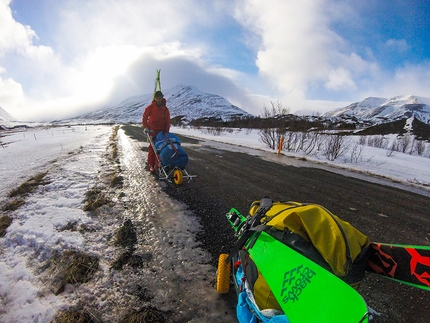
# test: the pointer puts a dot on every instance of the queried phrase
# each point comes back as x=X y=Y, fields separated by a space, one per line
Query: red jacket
x=156 y=118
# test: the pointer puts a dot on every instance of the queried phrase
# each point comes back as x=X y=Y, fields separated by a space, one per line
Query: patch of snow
x=72 y=156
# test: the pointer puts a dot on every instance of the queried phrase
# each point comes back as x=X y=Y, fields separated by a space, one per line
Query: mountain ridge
x=5 y=116
x=380 y=110
x=182 y=100
x=189 y=103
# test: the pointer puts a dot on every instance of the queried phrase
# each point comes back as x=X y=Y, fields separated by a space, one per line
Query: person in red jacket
x=155 y=118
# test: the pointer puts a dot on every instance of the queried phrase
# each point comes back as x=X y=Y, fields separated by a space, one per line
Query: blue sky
x=60 y=58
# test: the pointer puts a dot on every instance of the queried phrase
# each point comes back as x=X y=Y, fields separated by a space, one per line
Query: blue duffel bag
x=169 y=148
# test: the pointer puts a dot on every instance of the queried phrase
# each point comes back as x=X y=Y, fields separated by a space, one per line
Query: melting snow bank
x=170 y=272
x=72 y=159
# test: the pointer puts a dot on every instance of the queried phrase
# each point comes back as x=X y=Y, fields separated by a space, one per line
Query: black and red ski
x=406 y=264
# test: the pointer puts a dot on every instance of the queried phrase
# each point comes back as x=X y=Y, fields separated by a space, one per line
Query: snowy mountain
x=6 y=119
x=182 y=100
x=379 y=110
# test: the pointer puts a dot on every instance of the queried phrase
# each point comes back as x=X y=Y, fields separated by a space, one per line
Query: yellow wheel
x=223 y=275
x=177 y=177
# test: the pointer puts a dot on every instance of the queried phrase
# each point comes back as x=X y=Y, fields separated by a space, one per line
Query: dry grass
x=116 y=181
x=13 y=205
x=23 y=190
x=30 y=185
x=5 y=222
x=130 y=259
x=122 y=260
x=113 y=145
x=94 y=199
x=74 y=316
x=145 y=315
x=71 y=267
x=70 y=226
x=126 y=236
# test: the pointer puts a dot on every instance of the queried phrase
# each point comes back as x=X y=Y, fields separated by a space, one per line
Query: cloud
x=19 y=60
x=10 y=91
x=339 y=79
x=102 y=53
x=296 y=45
x=92 y=54
x=14 y=37
x=101 y=79
x=410 y=79
x=303 y=52
x=117 y=23
x=18 y=39
x=181 y=66
x=400 y=45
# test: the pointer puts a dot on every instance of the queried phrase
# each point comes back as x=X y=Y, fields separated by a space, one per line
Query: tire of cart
x=223 y=274
x=177 y=177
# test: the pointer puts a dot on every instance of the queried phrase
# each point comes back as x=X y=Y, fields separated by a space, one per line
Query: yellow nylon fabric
x=263 y=295
x=319 y=226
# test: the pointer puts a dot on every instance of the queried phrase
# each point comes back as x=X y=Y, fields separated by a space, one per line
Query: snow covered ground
x=74 y=158
x=403 y=170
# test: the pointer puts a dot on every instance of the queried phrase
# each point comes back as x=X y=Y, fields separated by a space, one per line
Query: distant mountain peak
x=381 y=109
x=185 y=88
x=6 y=120
x=5 y=116
x=182 y=100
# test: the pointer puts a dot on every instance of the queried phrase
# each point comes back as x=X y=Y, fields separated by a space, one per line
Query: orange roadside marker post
x=281 y=142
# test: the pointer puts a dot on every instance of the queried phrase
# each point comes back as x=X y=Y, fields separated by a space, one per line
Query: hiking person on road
x=155 y=118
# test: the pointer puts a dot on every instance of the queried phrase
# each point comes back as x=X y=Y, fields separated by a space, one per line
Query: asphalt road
x=228 y=179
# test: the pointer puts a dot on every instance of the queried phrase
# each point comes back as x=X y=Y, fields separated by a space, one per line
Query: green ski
x=305 y=291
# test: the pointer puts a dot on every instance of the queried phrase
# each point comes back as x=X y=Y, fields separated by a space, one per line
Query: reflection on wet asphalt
x=178 y=274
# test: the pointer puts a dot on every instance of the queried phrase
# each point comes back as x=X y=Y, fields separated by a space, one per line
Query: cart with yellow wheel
x=171 y=159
